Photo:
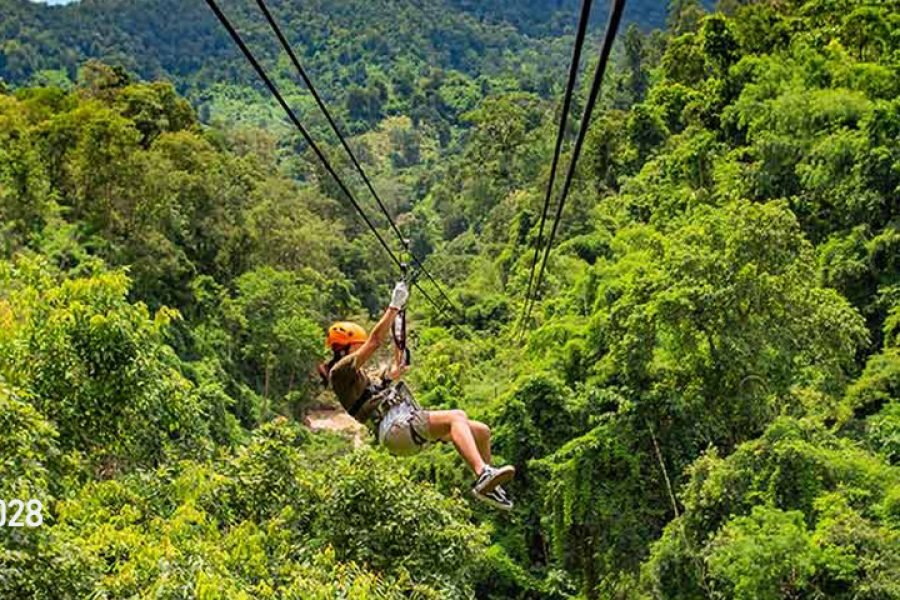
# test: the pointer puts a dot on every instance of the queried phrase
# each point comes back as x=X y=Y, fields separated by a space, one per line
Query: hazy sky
x=53 y=1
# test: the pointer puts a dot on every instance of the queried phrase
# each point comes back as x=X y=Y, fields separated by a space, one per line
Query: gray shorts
x=404 y=429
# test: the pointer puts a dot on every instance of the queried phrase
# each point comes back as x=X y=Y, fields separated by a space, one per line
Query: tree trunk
x=589 y=568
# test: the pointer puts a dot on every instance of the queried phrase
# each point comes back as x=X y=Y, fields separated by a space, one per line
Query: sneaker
x=491 y=477
x=496 y=497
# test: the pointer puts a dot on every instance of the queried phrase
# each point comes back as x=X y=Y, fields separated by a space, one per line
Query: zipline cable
x=334 y=127
x=235 y=36
x=612 y=27
x=560 y=136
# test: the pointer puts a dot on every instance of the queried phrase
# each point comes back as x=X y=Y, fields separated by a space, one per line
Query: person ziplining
x=384 y=402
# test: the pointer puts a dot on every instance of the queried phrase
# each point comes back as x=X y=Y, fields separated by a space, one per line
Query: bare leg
x=454 y=424
x=482 y=435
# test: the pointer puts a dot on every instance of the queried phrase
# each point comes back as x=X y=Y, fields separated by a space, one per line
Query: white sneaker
x=497 y=498
x=491 y=477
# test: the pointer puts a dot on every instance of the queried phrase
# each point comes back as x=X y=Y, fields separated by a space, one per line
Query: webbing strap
x=399 y=333
x=416 y=437
x=398 y=330
x=369 y=393
x=360 y=402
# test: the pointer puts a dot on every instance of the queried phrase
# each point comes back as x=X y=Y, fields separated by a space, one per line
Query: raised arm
x=378 y=333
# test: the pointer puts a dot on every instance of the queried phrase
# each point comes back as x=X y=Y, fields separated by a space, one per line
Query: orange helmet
x=345 y=333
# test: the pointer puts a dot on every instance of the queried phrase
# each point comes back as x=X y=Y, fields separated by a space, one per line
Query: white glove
x=400 y=295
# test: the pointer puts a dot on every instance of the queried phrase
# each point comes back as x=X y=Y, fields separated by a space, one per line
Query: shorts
x=404 y=429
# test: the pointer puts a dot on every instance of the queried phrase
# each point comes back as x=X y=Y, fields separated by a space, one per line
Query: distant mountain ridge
x=371 y=58
x=175 y=38
x=555 y=17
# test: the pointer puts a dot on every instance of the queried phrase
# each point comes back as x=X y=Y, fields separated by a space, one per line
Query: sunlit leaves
x=798 y=509
x=97 y=368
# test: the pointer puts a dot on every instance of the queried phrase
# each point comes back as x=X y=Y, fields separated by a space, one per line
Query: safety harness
x=379 y=399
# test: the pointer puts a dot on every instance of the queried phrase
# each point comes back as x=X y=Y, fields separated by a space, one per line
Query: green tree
x=866 y=30
x=683 y=61
x=719 y=42
x=684 y=16
x=796 y=511
x=97 y=367
x=26 y=201
x=767 y=555
x=638 y=78
x=271 y=318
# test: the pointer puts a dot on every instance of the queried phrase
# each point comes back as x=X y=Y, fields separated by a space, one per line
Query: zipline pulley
x=398 y=329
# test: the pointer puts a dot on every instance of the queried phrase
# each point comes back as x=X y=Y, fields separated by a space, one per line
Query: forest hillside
x=704 y=403
x=430 y=61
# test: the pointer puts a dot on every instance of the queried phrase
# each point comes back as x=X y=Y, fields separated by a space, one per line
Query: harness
x=381 y=399
x=397 y=394
x=375 y=394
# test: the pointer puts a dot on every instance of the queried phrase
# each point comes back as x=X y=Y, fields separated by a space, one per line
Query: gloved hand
x=400 y=295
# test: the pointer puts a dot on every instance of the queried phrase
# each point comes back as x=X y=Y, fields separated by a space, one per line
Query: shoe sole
x=494 y=503
x=504 y=475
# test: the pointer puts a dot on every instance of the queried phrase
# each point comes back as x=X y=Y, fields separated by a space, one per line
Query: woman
x=387 y=406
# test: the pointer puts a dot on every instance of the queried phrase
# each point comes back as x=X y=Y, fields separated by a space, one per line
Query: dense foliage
x=706 y=402
x=430 y=62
